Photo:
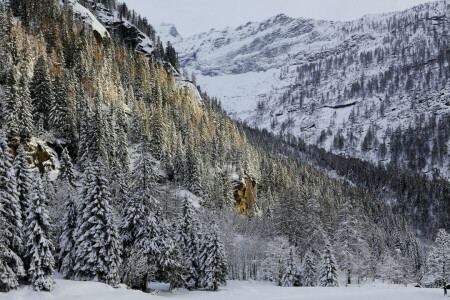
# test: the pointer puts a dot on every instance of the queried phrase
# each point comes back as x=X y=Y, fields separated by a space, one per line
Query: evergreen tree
x=188 y=240
x=23 y=175
x=212 y=262
x=41 y=93
x=67 y=239
x=24 y=115
x=193 y=173
x=11 y=218
x=66 y=170
x=438 y=260
x=309 y=271
x=328 y=270
x=142 y=201
x=291 y=275
x=11 y=103
x=38 y=245
x=97 y=254
x=351 y=248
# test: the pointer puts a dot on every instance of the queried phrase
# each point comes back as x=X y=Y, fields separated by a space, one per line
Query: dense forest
x=115 y=169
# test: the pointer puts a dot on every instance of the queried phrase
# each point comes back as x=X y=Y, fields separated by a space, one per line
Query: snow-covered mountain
x=375 y=88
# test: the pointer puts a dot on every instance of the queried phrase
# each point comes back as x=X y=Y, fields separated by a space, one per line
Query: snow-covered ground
x=236 y=290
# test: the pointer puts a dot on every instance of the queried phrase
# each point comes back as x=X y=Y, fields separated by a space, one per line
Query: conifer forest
x=118 y=167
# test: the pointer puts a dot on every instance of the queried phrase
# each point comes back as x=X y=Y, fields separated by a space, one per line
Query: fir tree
x=38 y=245
x=97 y=254
x=66 y=170
x=291 y=275
x=23 y=175
x=212 y=262
x=328 y=270
x=25 y=115
x=188 y=240
x=11 y=217
x=67 y=239
x=438 y=260
x=309 y=271
x=41 y=93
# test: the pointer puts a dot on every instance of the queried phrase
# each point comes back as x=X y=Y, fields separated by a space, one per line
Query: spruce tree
x=328 y=270
x=308 y=270
x=11 y=103
x=67 y=239
x=11 y=217
x=213 y=266
x=187 y=237
x=24 y=115
x=438 y=260
x=41 y=93
x=23 y=175
x=291 y=275
x=97 y=254
x=66 y=170
x=38 y=245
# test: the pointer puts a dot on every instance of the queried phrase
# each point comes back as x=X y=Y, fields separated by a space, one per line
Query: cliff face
x=245 y=195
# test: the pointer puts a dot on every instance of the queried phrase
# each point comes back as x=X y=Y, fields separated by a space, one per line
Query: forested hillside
x=114 y=168
x=375 y=88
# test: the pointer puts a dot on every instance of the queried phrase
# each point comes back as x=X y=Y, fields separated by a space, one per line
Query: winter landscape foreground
x=236 y=290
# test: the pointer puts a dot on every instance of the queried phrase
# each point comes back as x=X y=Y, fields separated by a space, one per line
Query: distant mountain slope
x=375 y=88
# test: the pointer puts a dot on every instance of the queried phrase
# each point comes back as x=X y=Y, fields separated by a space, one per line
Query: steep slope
x=346 y=86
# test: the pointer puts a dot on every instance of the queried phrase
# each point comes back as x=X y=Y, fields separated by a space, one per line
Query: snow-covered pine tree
x=142 y=200
x=66 y=170
x=11 y=217
x=438 y=260
x=97 y=254
x=23 y=175
x=38 y=245
x=193 y=172
x=67 y=238
x=351 y=249
x=309 y=271
x=158 y=247
x=328 y=270
x=291 y=275
x=212 y=262
x=41 y=93
x=24 y=115
x=11 y=103
x=187 y=237
x=11 y=266
x=157 y=132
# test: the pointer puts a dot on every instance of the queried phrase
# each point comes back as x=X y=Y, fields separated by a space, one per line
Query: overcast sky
x=197 y=16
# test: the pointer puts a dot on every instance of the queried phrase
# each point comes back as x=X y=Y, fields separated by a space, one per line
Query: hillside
x=375 y=88
x=115 y=168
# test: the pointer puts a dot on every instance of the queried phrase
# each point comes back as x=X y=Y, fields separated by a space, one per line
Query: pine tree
x=97 y=254
x=11 y=103
x=41 y=93
x=291 y=275
x=67 y=238
x=193 y=173
x=38 y=245
x=66 y=170
x=24 y=115
x=156 y=245
x=23 y=175
x=328 y=270
x=351 y=248
x=187 y=238
x=309 y=277
x=142 y=200
x=11 y=217
x=213 y=266
x=438 y=260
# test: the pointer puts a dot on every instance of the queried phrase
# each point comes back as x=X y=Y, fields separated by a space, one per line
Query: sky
x=197 y=16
